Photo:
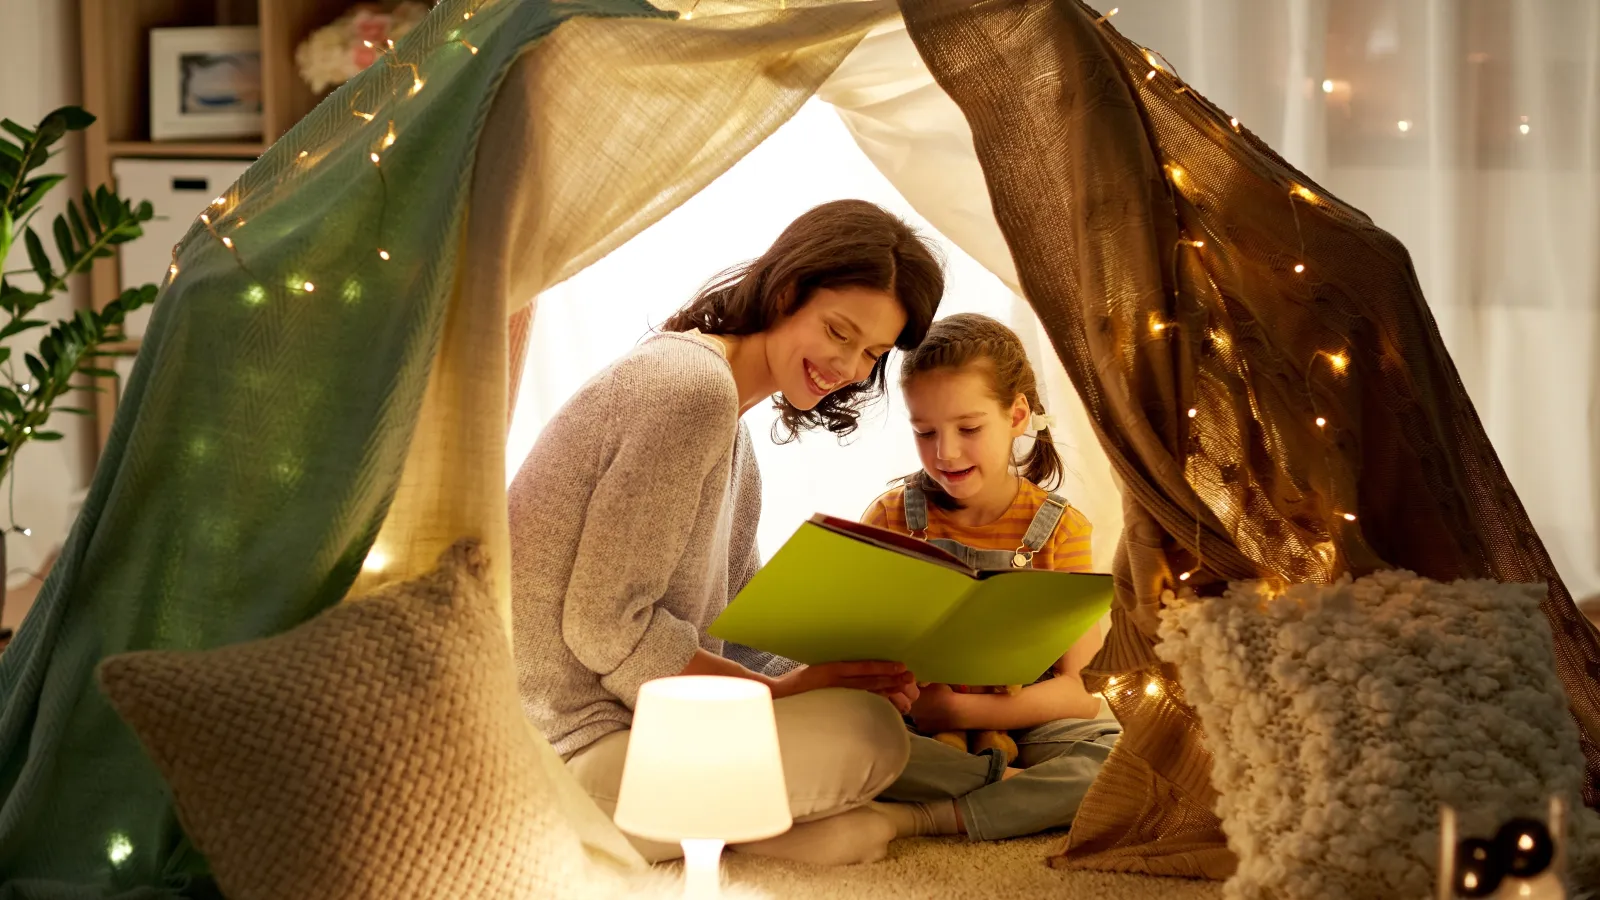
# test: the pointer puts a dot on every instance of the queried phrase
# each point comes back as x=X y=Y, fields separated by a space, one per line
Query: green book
x=839 y=590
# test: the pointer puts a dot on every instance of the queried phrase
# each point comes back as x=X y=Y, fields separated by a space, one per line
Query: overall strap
x=916 y=510
x=1044 y=522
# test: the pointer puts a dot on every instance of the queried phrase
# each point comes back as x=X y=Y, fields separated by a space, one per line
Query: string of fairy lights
x=215 y=218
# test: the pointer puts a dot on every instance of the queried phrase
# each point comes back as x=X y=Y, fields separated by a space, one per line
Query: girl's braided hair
x=971 y=340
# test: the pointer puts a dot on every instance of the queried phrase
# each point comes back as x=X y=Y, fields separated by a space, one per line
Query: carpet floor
x=953 y=868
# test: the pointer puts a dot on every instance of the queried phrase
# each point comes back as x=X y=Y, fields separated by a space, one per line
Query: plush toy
x=979 y=741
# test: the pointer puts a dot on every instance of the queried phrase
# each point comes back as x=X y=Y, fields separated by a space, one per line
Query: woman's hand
x=902 y=697
x=939 y=708
x=877 y=677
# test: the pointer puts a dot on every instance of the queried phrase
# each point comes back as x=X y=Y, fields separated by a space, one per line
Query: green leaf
x=36 y=256
x=69 y=252
x=8 y=173
x=34 y=191
x=6 y=225
x=47 y=435
x=22 y=134
x=77 y=117
x=20 y=325
x=52 y=129
x=89 y=213
x=78 y=230
x=36 y=367
x=5 y=354
x=10 y=403
x=145 y=211
x=10 y=150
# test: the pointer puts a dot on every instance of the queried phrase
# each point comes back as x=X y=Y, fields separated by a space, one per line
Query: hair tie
x=1042 y=421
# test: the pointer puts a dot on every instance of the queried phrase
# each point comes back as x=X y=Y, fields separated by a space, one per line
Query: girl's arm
x=1062 y=697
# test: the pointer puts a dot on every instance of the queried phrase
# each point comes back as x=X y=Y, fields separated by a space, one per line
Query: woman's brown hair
x=969 y=340
x=845 y=243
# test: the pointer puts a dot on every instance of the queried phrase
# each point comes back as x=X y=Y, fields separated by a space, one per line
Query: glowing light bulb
x=1150 y=75
x=27 y=429
x=472 y=48
x=383 y=255
x=309 y=287
x=1327 y=85
x=1234 y=123
x=303 y=154
x=1193 y=413
x=1349 y=517
x=1404 y=125
x=367 y=44
x=1339 y=361
x=1197 y=244
x=119 y=849
x=27 y=532
x=376 y=561
x=205 y=219
x=365 y=115
x=218 y=202
x=1321 y=422
x=416 y=86
x=466 y=16
x=389 y=42
x=1304 y=193
x=388 y=139
x=172 y=269
x=1152 y=689
x=375 y=159
x=1525 y=842
x=1524 y=128
x=1299 y=267
x=1183 y=577
x=688 y=15
x=27 y=386
x=227 y=242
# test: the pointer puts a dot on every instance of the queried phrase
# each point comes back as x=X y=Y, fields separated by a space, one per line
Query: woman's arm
x=878 y=677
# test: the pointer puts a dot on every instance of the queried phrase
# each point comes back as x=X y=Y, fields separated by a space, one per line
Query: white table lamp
x=703 y=769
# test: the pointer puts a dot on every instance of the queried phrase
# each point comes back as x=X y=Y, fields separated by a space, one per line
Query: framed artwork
x=205 y=83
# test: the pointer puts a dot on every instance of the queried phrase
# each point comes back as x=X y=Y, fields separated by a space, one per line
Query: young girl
x=971 y=394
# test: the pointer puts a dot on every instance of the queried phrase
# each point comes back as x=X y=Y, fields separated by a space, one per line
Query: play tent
x=321 y=402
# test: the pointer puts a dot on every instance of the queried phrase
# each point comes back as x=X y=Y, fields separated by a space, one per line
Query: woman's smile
x=817 y=382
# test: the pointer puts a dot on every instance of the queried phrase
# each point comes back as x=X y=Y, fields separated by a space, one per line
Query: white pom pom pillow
x=1341 y=716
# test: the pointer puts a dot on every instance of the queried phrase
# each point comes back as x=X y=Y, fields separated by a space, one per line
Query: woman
x=633 y=520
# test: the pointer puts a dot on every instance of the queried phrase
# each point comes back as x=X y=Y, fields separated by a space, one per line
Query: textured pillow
x=378 y=750
x=1341 y=716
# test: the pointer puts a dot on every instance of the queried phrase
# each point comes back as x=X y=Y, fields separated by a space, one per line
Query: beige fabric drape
x=602 y=128
x=1260 y=365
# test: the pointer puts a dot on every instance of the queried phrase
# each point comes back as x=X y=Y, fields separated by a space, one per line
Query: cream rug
x=958 y=869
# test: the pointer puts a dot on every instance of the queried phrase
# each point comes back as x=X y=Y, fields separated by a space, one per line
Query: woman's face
x=964 y=435
x=831 y=341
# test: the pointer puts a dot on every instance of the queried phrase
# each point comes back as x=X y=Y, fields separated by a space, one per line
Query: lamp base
x=702 y=874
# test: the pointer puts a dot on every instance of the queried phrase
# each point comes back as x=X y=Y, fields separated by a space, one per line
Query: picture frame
x=205 y=83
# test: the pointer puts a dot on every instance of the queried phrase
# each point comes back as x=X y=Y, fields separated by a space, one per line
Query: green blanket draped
x=259 y=440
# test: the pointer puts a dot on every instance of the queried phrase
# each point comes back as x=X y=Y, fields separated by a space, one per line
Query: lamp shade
x=703 y=763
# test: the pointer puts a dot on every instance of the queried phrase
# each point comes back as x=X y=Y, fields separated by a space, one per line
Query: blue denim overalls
x=1039 y=531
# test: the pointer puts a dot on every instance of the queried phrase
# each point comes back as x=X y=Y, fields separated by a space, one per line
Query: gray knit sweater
x=633 y=521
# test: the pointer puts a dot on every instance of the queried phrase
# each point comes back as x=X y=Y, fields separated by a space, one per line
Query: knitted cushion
x=378 y=750
x=1341 y=716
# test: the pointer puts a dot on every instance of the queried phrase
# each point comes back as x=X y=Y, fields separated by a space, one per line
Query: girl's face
x=963 y=433
x=833 y=340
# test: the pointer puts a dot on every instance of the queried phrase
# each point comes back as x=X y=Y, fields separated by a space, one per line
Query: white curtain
x=1469 y=129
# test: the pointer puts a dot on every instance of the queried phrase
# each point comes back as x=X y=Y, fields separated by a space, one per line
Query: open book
x=839 y=590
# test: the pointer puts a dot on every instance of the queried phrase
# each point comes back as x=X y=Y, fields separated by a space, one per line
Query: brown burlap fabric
x=1105 y=174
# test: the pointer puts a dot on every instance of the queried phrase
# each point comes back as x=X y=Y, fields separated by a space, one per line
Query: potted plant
x=32 y=387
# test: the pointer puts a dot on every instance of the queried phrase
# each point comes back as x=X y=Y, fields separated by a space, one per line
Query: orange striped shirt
x=1067 y=550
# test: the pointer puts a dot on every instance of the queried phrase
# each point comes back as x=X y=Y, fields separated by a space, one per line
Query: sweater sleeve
x=636 y=528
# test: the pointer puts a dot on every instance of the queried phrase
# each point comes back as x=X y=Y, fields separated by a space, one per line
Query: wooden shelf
x=187 y=149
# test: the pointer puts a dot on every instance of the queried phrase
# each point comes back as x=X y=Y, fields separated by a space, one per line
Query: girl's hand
x=877 y=677
x=937 y=709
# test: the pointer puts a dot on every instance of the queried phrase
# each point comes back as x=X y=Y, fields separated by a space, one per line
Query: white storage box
x=179 y=189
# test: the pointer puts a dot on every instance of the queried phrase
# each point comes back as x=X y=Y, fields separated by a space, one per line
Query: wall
x=40 y=71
